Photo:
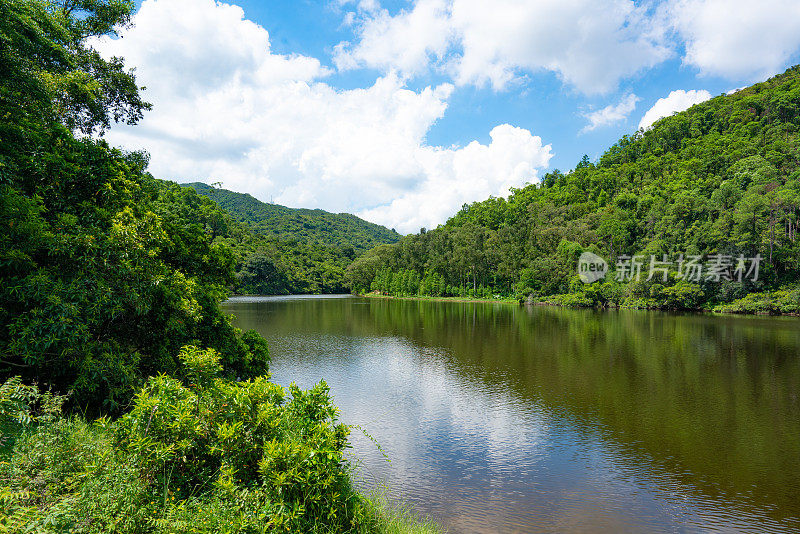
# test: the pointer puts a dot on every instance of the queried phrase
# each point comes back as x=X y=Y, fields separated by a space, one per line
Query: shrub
x=23 y=406
x=682 y=296
x=767 y=302
x=204 y=455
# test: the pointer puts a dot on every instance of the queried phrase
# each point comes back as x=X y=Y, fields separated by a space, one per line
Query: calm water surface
x=498 y=418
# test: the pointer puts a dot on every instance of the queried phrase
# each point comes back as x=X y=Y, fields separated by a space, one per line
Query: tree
x=749 y=219
x=106 y=272
x=49 y=72
x=264 y=275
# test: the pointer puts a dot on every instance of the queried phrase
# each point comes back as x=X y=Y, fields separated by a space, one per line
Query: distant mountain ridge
x=340 y=230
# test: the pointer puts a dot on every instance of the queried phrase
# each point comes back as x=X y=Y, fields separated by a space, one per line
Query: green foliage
x=206 y=455
x=93 y=302
x=267 y=266
x=264 y=275
x=23 y=406
x=104 y=272
x=48 y=72
x=720 y=178
x=314 y=227
x=776 y=302
x=572 y=300
x=282 y=250
x=363 y=270
x=682 y=295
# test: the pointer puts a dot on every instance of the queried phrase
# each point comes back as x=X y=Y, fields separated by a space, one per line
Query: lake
x=506 y=418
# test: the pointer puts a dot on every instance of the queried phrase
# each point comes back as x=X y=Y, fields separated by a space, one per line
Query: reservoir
x=503 y=418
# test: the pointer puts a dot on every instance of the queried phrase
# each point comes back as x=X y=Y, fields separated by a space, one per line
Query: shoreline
x=378 y=296
x=556 y=305
x=527 y=302
x=705 y=311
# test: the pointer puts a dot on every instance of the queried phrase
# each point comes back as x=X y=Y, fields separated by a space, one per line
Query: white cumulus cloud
x=611 y=114
x=228 y=109
x=455 y=177
x=738 y=39
x=676 y=101
x=407 y=42
x=590 y=45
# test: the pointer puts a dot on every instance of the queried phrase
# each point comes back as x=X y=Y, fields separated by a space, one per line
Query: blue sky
x=542 y=104
x=401 y=111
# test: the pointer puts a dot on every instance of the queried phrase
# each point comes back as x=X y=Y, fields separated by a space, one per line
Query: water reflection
x=506 y=419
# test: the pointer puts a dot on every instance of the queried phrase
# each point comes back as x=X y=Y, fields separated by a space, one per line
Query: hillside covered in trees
x=280 y=250
x=313 y=227
x=720 y=181
x=278 y=256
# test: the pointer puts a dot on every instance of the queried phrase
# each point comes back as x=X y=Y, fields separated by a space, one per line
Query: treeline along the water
x=722 y=178
x=110 y=291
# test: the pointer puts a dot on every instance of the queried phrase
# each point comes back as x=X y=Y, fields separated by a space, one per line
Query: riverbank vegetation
x=203 y=454
x=272 y=266
x=491 y=298
x=722 y=178
x=129 y=402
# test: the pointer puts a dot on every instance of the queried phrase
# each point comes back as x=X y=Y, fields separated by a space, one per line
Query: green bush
x=782 y=301
x=23 y=406
x=681 y=296
x=205 y=455
x=571 y=300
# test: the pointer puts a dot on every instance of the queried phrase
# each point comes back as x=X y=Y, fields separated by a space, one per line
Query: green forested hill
x=313 y=227
x=280 y=250
x=721 y=179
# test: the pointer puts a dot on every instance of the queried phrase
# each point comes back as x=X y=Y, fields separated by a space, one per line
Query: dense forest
x=280 y=250
x=720 y=181
x=269 y=266
x=313 y=227
x=128 y=401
